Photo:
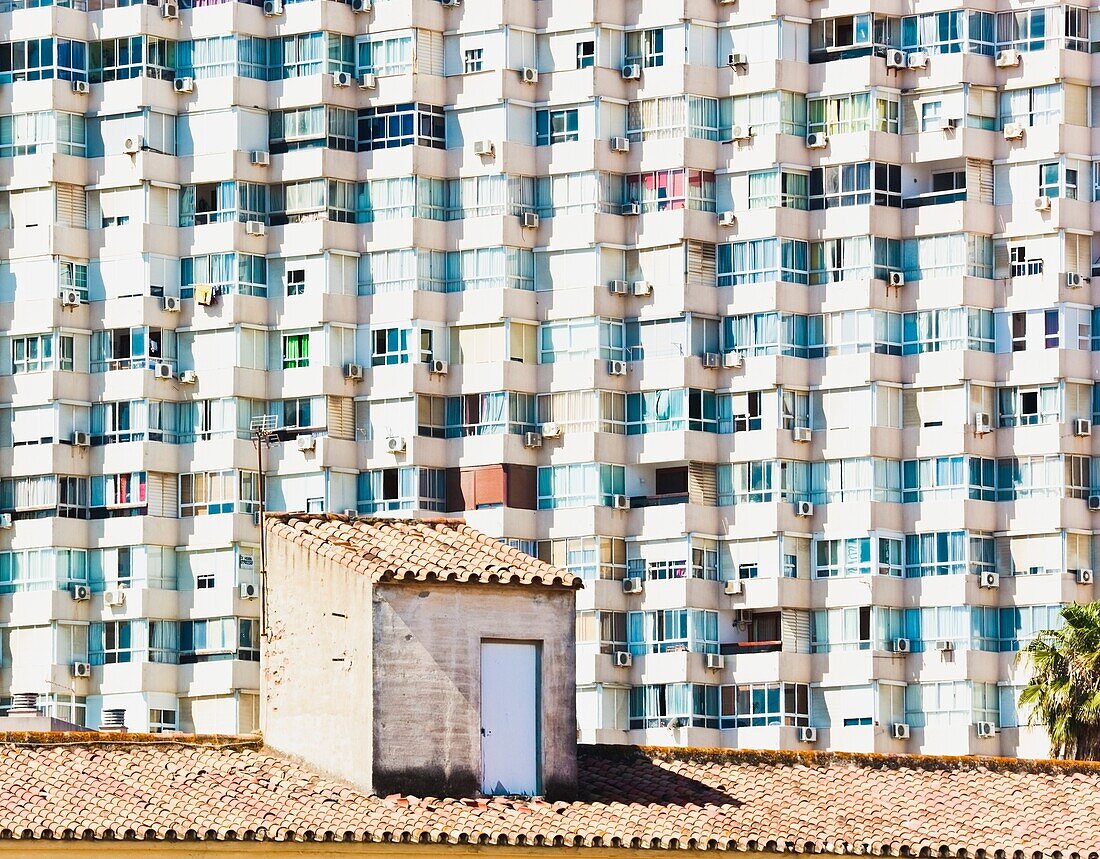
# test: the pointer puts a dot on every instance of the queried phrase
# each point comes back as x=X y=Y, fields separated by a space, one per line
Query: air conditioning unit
x=642 y=287
x=989 y=580
x=618 y=287
x=204 y=294
x=817 y=140
x=732 y=360
x=712 y=360
x=623 y=658
x=260 y=158
x=951 y=123
x=529 y=75
x=895 y=59
x=5 y=521
x=802 y=435
x=183 y=85
x=1094 y=502
x=361 y=5
x=80 y=87
x=1082 y=426
x=81 y=669
x=170 y=304
x=727 y=219
x=170 y=12
x=163 y=371
x=737 y=58
x=353 y=372
x=740 y=132
x=437 y=367
x=133 y=144
x=396 y=443
x=551 y=430
x=917 y=60
x=1007 y=58
x=368 y=81
x=620 y=144
x=1013 y=131
x=248 y=591
x=255 y=228
x=189 y=377
x=1075 y=280
x=532 y=439
x=351 y=513
x=632 y=586
x=715 y=661
x=983 y=423
x=616 y=368
x=273 y=8
x=896 y=278
x=485 y=147
x=70 y=298
x=632 y=72
x=733 y=587
x=81 y=439
x=80 y=593
x=342 y=79
x=803 y=508
x=630 y=209
x=985 y=730
x=899 y=731
x=1042 y=204
x=306 y=441
x=899 y=645
x=530 y=220
x=1084 y=576
x=620 y=502
x=115 y=597
x=742 y=617
x=807 y=735
x=945 y=645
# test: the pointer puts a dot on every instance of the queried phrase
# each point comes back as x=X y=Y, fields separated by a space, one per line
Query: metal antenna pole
x=263 y=431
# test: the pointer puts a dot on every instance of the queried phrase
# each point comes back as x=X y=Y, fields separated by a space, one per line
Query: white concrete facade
x=781 y=310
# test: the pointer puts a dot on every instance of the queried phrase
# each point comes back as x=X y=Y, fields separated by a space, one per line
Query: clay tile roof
x=387 y=549
x=100 y=787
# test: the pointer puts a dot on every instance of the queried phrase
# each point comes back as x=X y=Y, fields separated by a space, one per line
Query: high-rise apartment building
x=772 y=321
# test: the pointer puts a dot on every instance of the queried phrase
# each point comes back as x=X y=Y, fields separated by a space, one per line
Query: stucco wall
x=315 y=687
x=427 y=664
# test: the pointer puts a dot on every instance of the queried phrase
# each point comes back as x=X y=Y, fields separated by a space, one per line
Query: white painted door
x=509 y=718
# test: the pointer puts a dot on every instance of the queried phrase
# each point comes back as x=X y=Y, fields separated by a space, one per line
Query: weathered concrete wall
x=427 y=665
x=315 y=687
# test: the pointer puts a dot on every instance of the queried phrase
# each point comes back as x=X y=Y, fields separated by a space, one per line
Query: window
x=217 y=639
x=853 y=112
x=113 y=643
x=781 y=188
x=674 y=116
x=645 y=48
x=296 y=281
x=586 y=54
x=210 y=492
x=579 y=485
x=672 y=630
x=588 y=557
x=295 y=350
x=161 y=720
x=305 y=127
x=556 y=126
x=765 y=704
x=132 y=57
x=762 y=261
x=472 y=60
x=855 y=184
x=393 y=55
x=405 y=488
x=41 y=59
x=397 y=125
x=606 y=629
x=841 y=629
x=667 y=190
x=674 y=704
x=389 y=346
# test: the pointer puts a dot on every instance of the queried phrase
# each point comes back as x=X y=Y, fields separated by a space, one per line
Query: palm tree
x=1064 y=690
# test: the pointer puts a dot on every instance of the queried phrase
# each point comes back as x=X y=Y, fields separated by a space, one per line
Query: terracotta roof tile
x=386 y=549
x=136 y=786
